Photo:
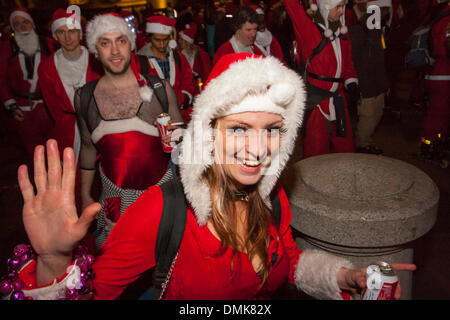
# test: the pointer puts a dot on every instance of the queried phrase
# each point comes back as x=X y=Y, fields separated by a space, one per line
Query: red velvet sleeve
x=5 y=54
x=130 y=247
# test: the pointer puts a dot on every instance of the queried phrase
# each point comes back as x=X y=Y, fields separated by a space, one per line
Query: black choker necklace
x=241 y=195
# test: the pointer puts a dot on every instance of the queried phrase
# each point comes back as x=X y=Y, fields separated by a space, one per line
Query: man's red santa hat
x=188 y=33
x=63 y=18
x=257 y=9
x=161 y=25
x=324 y=7
x=239 y=82
x=20 y=12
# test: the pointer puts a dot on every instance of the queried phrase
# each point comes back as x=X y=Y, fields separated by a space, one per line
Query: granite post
x=364 y=207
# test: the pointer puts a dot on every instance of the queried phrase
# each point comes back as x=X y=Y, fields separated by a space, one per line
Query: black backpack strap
x=177 y=58
x=143 y=61
x=276 y=208
x=170 y=233
x=86 y=93
x=159 y=89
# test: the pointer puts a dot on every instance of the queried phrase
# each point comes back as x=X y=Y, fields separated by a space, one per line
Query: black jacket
x=368 y=59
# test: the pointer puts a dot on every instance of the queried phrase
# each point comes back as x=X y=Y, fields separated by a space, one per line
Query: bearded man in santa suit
x=245 y=26
x=20 y=58
x=69 y=68
x=265 y=40
x=165 y=61
x=327 y=128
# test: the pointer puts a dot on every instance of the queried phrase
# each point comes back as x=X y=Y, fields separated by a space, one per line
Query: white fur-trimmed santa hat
x=21 y=12
x=188 y=33
x=239 y=82
x=63 y=18
x=324 y=7
x=107 y=23
x=161 y=25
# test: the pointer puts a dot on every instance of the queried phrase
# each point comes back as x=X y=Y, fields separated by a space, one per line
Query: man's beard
x=263 y=38
x=28 y=42
x=117 y=73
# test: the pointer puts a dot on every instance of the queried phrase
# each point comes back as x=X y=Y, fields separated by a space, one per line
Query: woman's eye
x=240 y=131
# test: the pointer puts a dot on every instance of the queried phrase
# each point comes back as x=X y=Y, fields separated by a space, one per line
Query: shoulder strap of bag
x=160 y=91
x=143 y=61
x=170 y=233
x=177 y=58
x=316 y=50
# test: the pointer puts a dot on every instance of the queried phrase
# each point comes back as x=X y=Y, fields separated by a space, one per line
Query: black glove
x=354 y=91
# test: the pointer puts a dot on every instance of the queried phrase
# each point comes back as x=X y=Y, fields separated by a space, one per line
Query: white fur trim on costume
x=56 y=290
x=313 y=7
x=185 y=37
x=328 y=33
x=344 y=29
x=146 y=93
x=65 y=21
x=121 y=126
x=107 y=23
x=172 y=44
x=20 y=14
x=157 y=28
x=249 y=77
x=316 y=274
x=351 y=80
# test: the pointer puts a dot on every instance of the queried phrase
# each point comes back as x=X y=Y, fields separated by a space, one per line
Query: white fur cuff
x=316 y=274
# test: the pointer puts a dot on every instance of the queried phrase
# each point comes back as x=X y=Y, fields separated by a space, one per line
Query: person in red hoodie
x=20 y=57
x=437 y=119
x=327 y=126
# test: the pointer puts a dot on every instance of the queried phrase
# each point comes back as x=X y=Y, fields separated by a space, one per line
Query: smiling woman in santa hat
x=243 y=130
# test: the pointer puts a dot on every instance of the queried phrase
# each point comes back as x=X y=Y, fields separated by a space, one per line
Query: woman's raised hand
x=50 y=215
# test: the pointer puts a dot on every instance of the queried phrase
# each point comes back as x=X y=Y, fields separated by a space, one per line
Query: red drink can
x=162 y=121
x=381 y=282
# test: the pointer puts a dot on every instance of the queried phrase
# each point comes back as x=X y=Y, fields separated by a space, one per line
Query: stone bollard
x=366 y=208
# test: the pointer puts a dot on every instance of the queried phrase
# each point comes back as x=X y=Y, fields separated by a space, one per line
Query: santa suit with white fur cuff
x=334 y=61
x=16 y=84
x=181 y=77
x=58 y=85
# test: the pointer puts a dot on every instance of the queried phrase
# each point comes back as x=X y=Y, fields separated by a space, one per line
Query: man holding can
x=116 y=116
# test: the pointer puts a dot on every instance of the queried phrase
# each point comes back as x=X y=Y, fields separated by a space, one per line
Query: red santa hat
x=107 y=23
x=21 y=12
x=324 y=7
x=161 y=25
x=257 y=9
x=239 y=82
x=188 y=33
x=62 y=17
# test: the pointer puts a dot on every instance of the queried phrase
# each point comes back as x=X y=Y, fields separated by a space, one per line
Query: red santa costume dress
x=59 y=79
x=437 y=119
x=179 y=73
x=334 y=61
x=20 y=58
x=128 y=151
x=121 y=262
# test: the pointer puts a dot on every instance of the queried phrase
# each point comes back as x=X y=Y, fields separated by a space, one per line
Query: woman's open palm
x=50 y=215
